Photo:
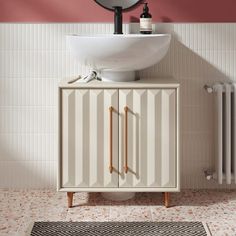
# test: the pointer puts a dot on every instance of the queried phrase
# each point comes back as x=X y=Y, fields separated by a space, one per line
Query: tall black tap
x=118 y=20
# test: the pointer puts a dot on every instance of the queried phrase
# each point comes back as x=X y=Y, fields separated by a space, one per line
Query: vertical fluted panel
x=68 y=138
x=110 y=99
x=85 y=138
x=82 y=137
x=151 y=137
x=136 y=100
x=96 y=137
x=154 y=123
x=168 y=138
x=126 y=99
x=140 y=136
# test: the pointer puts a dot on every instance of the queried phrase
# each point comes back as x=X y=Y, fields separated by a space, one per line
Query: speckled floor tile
x=13 y=208
x=203 y=213
x=222 y=227
x=20 y=208
x=177 y=213
x=88 y=213
x=130 y=213
x=9 y=226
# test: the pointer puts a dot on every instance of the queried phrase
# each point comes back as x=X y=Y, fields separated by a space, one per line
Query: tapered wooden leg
x=70 y=199
x=167 y=199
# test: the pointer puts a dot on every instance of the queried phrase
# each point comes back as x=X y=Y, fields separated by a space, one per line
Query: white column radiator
x=225 y=98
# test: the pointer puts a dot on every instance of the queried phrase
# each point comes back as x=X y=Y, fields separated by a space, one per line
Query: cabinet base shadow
x=166 y=199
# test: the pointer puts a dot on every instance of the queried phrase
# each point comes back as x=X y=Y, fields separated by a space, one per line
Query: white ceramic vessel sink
x=117 y=57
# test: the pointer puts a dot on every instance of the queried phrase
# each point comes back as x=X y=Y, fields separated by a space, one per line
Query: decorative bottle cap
x=145 y=8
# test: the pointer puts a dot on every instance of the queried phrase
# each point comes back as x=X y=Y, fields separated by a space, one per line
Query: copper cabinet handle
x=110 y=145
x=126 y=139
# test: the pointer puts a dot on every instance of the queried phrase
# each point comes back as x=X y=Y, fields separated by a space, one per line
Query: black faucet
x=118 y=20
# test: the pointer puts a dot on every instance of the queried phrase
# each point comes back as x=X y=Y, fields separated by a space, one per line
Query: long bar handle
x=111 y=134
x=126 y=139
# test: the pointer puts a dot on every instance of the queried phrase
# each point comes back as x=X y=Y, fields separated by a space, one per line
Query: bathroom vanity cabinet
x=119 y=137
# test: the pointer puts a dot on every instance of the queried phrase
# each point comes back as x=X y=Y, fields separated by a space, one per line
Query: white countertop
x=159 y=82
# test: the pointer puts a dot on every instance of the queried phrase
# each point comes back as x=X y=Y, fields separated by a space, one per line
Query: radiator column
x=228 y=133
x=234 y=134
x=219 y=150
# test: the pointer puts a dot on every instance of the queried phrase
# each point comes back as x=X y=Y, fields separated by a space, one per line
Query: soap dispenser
x=145 y=21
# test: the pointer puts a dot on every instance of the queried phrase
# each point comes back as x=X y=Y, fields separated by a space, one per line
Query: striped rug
x=119 y=229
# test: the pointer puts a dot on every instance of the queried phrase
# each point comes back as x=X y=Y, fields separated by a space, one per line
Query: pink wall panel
x=89 y=11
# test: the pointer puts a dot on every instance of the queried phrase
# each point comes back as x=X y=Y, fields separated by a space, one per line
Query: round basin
x=117 y=57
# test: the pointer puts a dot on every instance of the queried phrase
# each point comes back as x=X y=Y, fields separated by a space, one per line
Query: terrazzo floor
x=19 y=209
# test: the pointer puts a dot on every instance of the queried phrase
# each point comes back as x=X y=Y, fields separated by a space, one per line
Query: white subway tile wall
x=34 y=58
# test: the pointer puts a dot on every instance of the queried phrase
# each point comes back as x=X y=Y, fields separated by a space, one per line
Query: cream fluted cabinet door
x=119 y=137
x=85 y=138
x=147 y=154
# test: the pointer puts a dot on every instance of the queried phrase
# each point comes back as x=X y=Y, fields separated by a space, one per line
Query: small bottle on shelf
x=145 y=21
